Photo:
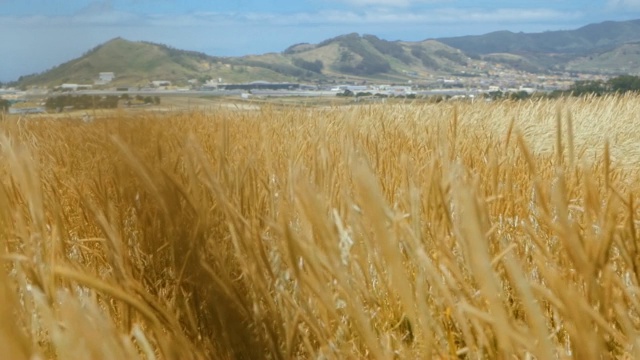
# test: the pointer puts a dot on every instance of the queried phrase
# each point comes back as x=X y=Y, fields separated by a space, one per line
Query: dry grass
x=462 y=230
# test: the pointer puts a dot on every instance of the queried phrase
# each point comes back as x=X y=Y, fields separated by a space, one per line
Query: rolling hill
x=624 y=59
x=350 y=56
x=368 y=57
x=138 y=63
x=589 y=38
x=609 y=47
x=552 y=50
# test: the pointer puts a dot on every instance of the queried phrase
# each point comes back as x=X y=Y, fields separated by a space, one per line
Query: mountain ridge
x=607 y=47
x=586 y=38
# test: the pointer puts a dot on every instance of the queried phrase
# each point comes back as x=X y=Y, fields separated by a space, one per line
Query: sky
x=36 y=35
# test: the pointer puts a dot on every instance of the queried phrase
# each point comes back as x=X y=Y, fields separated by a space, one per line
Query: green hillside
x=365 y=57
x=138 y=63
x=369 y=57
x=609 y=47
x=553 y=50
x=624 y=59
x=589 y=38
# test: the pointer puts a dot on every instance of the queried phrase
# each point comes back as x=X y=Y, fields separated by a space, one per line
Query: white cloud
x=111 y=17
x=431 y=17
x=386 y=3
x=96 y=18
x=96 y=7
x=624 y=4
x=101 y=13
x=107 y=18
x=324 y=17
x=371 y=16
x=390 y=3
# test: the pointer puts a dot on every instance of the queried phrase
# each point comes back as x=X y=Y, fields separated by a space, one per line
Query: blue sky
x=36 y=35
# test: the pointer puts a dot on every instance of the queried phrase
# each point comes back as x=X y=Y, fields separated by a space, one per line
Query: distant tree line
x=315 y=66
x=84 y=102
x=427 y=61
x=141 y=99
x=370 y=64
x=388 y=48
x=81 y=102
x=4 y=105
x=617 y=85
x=455 y=57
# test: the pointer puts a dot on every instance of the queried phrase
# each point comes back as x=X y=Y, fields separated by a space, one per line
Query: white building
x=105 y=78
x=528 y=90
x=75 y=87
x=159 y=83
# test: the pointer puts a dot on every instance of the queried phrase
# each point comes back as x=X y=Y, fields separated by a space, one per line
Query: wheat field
x=462 y=230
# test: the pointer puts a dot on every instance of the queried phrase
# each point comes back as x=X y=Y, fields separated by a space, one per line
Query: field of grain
x=387 y=231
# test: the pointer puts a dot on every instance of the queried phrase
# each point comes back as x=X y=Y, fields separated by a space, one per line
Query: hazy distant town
x=354 y=67
x=494 y=81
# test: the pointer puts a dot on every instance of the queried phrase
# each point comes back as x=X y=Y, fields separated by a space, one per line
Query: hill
x=590 y=38
x=608 y=47
x=624 y=59
x=369 y=57
x=138 y=63
x=365 y=57
x=555 y=50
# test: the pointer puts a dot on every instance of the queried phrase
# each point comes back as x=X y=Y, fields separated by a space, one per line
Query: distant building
x=400 y=90
x=106 y=77
x=160 y=83
x=261 y=85
x=74 y=87
x=352 y=88
x=209 y=86
x=27 y=110
x=528 y=90
x=12 y=95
